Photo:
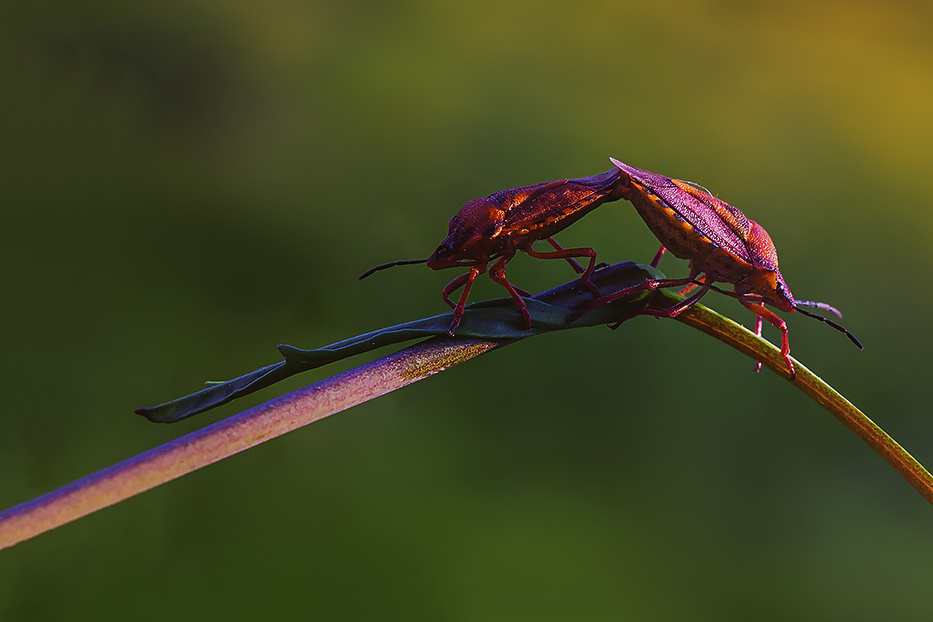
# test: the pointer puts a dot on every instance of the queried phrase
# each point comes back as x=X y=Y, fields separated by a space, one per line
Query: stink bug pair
x=723 y=246
x=500 y=225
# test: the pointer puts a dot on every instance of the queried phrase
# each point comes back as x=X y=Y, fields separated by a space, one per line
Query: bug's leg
x=679 y=308
x=497 y=274
x=568 y=254
x=670 y=312
x=647 y=286
x=574 y=264
x=683 y=304
x=762 y=312
x=576 y=267
x=465 y=280
x=657 y=257
x=689 y=287
x=454 y=285
x=758 y=325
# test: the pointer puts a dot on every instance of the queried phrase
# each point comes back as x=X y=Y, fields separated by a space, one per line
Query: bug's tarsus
x=392 y=264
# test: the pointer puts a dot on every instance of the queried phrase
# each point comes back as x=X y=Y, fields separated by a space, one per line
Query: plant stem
x=234 y=434
x=813 y=386
x=299 y=408
x=294 y=410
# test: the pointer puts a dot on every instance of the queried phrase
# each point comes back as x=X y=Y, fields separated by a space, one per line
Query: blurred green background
x=186 y=184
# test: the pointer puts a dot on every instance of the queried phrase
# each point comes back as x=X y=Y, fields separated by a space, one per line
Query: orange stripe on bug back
x=677 y=234
x=732 y=216
x=567 y=198
x=729 y=225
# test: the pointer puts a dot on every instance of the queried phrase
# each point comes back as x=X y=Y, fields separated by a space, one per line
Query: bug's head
x=767 y=282
x=471 y=237
x=770 y=286
x=450 y=253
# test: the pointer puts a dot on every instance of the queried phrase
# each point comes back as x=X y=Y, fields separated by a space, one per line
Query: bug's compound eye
x=783 y=299
x=441 y=257
x=444 y=251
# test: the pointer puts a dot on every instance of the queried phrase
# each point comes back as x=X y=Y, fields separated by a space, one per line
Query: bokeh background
x=186 y=184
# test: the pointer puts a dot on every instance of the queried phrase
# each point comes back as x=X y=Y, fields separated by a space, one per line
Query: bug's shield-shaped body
x=511 y=220
x=508 y=221
x=722 y=246
x=716 y=237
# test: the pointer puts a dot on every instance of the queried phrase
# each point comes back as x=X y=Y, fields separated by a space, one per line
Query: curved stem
x=810 y=384
x=312 y=403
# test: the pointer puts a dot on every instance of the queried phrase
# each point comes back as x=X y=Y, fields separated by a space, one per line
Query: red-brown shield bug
x=500 y=225
x=723 y=246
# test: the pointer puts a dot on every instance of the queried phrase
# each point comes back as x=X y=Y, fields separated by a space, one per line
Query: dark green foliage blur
x=184 y=185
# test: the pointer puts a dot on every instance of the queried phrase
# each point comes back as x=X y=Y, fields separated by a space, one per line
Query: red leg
x=497 y=274
x=762 y=312
x=678 y=308
x=657 y=257
x=758 y=322
x=690 y=286
x=568 y=254
x=576 y=267
x=465 y=280
x=647 y=286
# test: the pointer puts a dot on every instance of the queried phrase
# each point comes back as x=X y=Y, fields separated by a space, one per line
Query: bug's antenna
x=831 y=323
x=696 y=185
x=819 y=305
x=392 y=264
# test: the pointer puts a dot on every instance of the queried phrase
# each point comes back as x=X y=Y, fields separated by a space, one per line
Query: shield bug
x=498 y=226
x=723 y=246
